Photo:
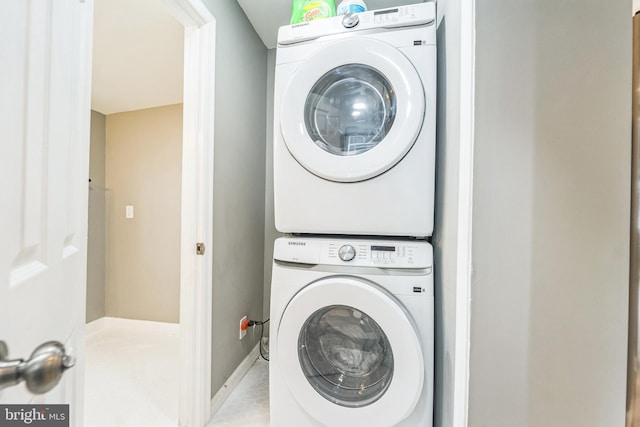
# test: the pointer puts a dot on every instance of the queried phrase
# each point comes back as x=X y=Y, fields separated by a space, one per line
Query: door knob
x=41 y=372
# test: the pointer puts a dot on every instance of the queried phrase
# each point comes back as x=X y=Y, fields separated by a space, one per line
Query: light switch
x=129 y=211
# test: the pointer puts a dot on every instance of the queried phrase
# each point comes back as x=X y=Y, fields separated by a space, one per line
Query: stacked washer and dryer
x=352 y=298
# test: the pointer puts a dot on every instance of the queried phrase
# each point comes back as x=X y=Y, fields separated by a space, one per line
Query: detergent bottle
x=351 y=6
x=308 y=10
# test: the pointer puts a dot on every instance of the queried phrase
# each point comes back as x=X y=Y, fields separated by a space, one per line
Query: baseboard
x=235 y=378
x=95 y=325
x=149 y=325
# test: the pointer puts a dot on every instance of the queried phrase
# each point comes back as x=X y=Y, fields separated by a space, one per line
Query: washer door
x=349 y=352
x=352 y=110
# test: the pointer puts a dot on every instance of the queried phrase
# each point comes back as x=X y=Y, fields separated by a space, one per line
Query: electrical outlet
x=242 y=333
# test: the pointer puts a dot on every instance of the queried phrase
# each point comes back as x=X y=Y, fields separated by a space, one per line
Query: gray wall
x=96 y=236
x=144 y=169
x=551 y=213
x=239 y=186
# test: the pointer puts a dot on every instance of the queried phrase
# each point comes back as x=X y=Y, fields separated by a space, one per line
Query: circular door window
x=350 y=110
x=349 y=351
x=346 y=356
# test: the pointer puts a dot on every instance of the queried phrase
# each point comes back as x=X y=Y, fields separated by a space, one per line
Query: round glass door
x=346 y=356
x=352 y=110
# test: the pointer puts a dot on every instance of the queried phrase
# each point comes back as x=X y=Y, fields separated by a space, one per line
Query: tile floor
x=132 y=380
x=248 y=404
x=131 y=377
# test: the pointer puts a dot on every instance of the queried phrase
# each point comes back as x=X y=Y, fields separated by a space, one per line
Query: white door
x=350 y=352
x=45 y=46
x=352 y=110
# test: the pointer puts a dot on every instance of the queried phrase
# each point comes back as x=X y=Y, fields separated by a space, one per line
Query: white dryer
x=354 y=124
x=352 y=334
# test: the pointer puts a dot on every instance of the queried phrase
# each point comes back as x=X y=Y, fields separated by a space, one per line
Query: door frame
x=464 y=267
x=196 y=271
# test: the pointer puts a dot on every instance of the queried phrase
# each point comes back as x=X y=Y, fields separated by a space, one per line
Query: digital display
x=383 y=248
x=384 y=12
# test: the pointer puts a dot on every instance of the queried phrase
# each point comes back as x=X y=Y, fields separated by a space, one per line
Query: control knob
x=347 y=252
x=350 y=20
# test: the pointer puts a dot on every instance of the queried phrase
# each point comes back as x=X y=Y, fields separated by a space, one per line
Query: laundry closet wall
x=551 y=213
x=239 y=186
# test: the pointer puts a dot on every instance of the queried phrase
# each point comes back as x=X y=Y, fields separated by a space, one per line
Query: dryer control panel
x=355 y=252
x=401 y=16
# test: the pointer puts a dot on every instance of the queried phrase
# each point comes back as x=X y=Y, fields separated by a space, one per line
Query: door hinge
x=200 y=248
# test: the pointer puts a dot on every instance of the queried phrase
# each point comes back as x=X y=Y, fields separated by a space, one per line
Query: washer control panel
x=355 y=252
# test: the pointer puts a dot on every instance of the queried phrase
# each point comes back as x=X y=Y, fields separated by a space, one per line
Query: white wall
x=551 y=213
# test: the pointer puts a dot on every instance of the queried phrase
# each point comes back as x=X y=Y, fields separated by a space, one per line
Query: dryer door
x=352 y=110
x=350 y=352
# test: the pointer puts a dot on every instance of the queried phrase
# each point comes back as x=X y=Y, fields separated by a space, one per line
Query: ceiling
x=267 y=16
x=137 y=56
x=138 y=49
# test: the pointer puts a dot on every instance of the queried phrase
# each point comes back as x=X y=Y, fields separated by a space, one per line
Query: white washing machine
x=355 y=120
x=352 y=334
